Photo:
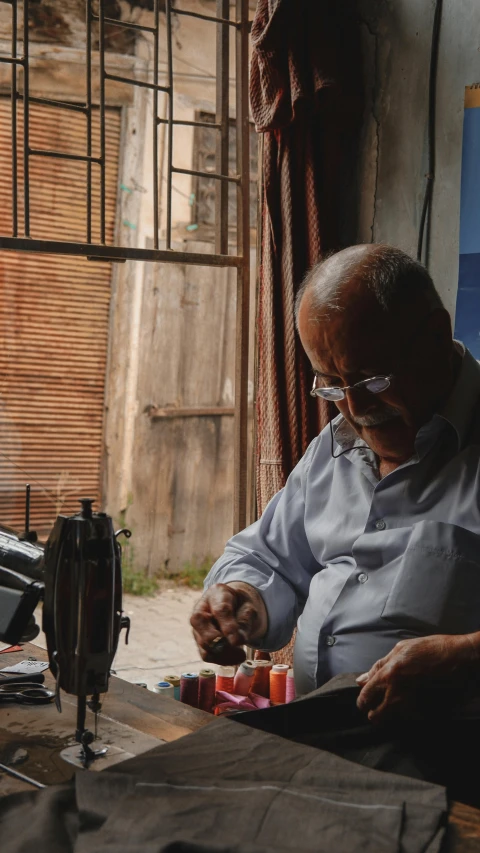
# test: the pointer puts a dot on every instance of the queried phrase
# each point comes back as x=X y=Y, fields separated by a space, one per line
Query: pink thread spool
x=290 y=691
x=206 y=690
x=244 y=678
x=189 y=688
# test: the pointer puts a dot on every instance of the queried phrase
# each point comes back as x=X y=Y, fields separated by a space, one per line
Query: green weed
x=192 y=574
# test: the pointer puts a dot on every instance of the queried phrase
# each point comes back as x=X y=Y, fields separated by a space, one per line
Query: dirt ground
x=160 y=641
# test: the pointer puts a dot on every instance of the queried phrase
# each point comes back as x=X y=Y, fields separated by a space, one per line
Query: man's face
x=359 y=342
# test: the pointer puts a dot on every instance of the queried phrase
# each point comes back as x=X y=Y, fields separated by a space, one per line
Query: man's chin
x=390 y=439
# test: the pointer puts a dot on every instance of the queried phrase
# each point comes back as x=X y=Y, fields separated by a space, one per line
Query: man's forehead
x=334 y=346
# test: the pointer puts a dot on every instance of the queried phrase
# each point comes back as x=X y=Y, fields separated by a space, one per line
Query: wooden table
x=135 y=720
x=132 y=719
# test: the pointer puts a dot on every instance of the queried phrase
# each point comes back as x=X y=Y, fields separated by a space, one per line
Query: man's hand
x=234 y=611
x=392 y=685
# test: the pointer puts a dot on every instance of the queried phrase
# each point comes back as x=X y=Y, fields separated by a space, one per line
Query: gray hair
x=394 y=278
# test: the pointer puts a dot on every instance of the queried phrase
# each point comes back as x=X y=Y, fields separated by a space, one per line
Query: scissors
x=27 y=692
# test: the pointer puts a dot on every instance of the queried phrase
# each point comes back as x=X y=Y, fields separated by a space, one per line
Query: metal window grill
x=20 y=239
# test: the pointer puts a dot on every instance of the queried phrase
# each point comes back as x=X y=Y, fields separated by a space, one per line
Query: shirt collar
x=457 y=412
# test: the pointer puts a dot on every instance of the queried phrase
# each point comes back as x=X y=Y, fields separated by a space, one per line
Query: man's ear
x=438 y=332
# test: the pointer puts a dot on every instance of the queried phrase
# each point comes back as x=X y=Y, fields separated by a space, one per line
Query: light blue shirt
x=363 y=562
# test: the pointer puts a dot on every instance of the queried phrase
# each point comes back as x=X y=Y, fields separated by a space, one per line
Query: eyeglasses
x=375 y=385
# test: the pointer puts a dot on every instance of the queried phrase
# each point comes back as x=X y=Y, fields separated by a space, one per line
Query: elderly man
x=372 y=548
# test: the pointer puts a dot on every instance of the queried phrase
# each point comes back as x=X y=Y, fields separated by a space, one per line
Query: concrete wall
x=397 y=38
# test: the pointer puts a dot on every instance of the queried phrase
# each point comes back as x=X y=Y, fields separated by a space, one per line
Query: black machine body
x=82 y=610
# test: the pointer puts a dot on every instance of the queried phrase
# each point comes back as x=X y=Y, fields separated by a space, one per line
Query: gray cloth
x=365 y=562
x=231 y=789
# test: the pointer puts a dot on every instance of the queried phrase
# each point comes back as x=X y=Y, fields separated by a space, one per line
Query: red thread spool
x=225 y=679
x=278 y=683
x=261 y=679
x=189 y=689
x=206 y=690
x=244 y=678
x=290 y=691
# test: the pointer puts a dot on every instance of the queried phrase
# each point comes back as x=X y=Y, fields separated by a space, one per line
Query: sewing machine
x=78 y=577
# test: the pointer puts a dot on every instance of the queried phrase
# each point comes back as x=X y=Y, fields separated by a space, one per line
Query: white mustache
x=380 y=416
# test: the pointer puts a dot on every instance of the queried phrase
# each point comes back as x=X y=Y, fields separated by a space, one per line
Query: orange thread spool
x=261 y=679
x=278 y=683
x=225 y=679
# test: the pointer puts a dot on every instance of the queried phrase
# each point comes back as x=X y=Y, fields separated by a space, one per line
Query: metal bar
x=129 y=25
x=199 y=412
x=243 y=272
x=235 y=179
x=26 y=124
x=215 y=20
x=60 y=155
x=61 y=105
x=88 y=99
x=131 y=82
x=168 y=22
x=12 y=60
x=117 y=253
x=14 y=124
x=185 y=123
x=27 y=508
x=101 y=70
x=17 y=775
x=155 y=123
x=221 y=147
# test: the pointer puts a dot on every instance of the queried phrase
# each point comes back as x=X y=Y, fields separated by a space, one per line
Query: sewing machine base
x=105 y=756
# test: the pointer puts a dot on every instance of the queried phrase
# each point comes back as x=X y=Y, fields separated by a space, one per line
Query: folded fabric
x=227 y=702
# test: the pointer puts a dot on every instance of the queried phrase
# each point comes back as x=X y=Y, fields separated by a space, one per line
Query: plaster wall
x=397 y=39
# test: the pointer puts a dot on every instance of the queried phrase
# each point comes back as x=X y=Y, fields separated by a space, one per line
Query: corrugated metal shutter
x=54 y=314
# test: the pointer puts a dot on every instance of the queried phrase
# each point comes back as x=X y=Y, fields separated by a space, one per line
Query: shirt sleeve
x=273 y=555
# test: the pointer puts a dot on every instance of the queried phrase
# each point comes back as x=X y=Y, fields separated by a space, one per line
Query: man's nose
x=360 y=401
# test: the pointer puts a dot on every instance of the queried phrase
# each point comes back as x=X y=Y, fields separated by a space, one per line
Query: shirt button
x=330 y=641
x=362 y=577
x=380 y=524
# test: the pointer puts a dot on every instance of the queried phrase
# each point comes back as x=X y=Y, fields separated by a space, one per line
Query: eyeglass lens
x=375 y=385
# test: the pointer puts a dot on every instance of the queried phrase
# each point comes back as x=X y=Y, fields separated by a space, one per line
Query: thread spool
x=261 y=678
x=290 y=690
x=165 y=688
x=174 y=680
x=244 y=678
x=225 y=679
x=206 y=690
x=278 y=683
x=189 y=688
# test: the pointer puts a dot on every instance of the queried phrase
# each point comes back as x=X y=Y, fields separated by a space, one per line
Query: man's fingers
x=376 y=715
x=215 y=616
x=230 y=655
x=371 y=696
x=204 y=629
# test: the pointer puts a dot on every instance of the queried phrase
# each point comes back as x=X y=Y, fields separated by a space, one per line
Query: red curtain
x=305 y=96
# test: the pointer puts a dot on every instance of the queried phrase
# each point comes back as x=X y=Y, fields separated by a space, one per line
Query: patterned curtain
x=305 y=94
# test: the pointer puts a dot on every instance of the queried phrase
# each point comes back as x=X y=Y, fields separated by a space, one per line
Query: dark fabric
x=441 y=747
x=305 y=94
x=229 y=787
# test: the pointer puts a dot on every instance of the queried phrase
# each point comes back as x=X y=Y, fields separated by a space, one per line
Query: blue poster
x=467 y=318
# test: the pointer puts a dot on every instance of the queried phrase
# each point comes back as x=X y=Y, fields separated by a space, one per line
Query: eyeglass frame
x=345 y=388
